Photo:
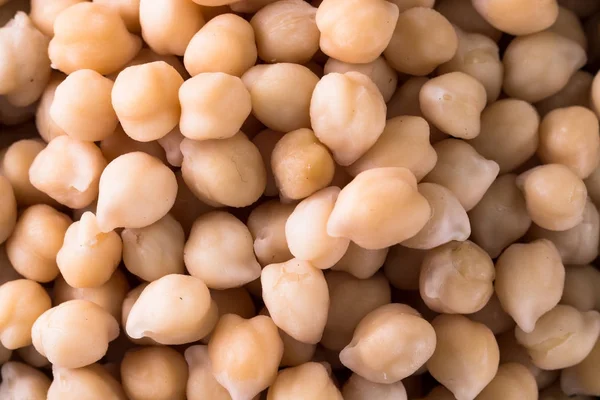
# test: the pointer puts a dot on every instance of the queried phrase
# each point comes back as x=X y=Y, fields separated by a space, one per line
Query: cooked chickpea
x=592 y=184
x=76 y=384
x=146 y=56
x=119 y=143
x=267 y=226
x=20 y=381
x=562 y=337
x=35 y=242
x=554 y=392
x=402 y=267
x=254 y=367
x=583 y=377
x=8 y=209
x=225 y=44
x=5 y=354
x=351 y=299
x=295 y=352
x=43 y=13
x=7 y=272
x=518 y=17
x=389 y=344
x=538 y=66
x=241 y=6
x=31 y=356
x=358 y=388
x=403 y=143
x=154 y=251
x=581 y=287
x=91 y=328
x=361 y=263
x=219 y=251
x=15 y=115
x=568 y=25
x=126 y=307
x=171 y=144
x=234 y=301
x=439 y=392
x=595 y=94
x=46 y=127
x=458 y=160
x=494 y=317
x=187 y=207
x=554 y=195
x=462 y=14
x=201 y=383
x=310 y=380
x=466 y=356
x=405 y=100
x=91 y=36
x=265 y=141
x=513 y=381
x=154 y=373
x=145 y=98
x=129 y=10
x=136 y=190
x=577 y=92
x=241 y=178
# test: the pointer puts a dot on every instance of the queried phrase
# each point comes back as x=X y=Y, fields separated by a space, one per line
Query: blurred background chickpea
x=462 y=14
x=581 y=287
x=554 y=392
x=361 y=263
x=310 y=380
x=201 y=383
x=187 y=207
x=119 y=143
x=31 y=357
x=568 y=25
x=74 y=384
x=146 y=56
x=358 y=388
x=494 y=317
x=8 y=209
x=171 y=143
x=512 y=381
x=402 y=267
x=265 y=141
x=583 y=377
x=577 y=92
x=129 y=10
x=518 y=17
x=20 y=381
x=266 y=223
x=43 y=13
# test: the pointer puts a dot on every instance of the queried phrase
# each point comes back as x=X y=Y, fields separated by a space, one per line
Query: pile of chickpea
x=295 y=200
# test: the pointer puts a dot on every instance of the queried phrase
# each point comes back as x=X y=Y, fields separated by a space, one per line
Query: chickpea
x=91 y=328
x=581 y=8
x=7 y=272
x=350 y=126
x=389 y=344
x=310 y=380
x=225 y=44
x=75 y=384
x=518 y=17
x=47 y=128
x=595 y=94
x=174 y=309
x=583 y=377
x=243 y=6
x=254 y=368
x=8 y=209
x=5 y=353
x=358 y=388
x=187 y=207
x=136 y=190
x=91 y=36
x=351 y=299
x=295 y=352
x=171 y=143
x=512 y=381
x=154 y=373
x=457 y=160
x=25 y=67
x=562 y=337
x=109 y=296
x=219 y=251
x=119 y=143
x=267 y=226
x=43 y=13
x=555 y=393
x=286 y=31
x=568 y=25
x=402 y=267
x=494 y=317
x=466 y=356
x=234 y=301
x=155 y=250
x=35 y=242
x=500 y=217
x=439 y=393
x=129 y=10
x=462 y=14
x=132 y=296
x=201 y=383
x=581 y=287
x=422 y=40
x=20 y=381
x=554 y=195
x=14 y=115
x=361 y=263
x=265 y=141
x=241 y=178
x=31 y=356
x=538 y=66
x=577 y=92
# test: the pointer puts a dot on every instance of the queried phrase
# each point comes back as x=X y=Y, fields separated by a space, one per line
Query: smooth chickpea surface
x=265 y=141
x=309 y=380
x=361 y=263
x=20 y=381
x=126 y=306
x=73 y=384
x=461 y=13
x=581 y=378
x=402 y=267
x=577 y=92
x=8 y=209
x=267 y=226
x=512 y=381
x=119 y=143
x=581 y=283
x=201 y=383
x=518 y=17
x=43 y=13
x=494 y=317
x=187 y=206
x=567 y=24
x=47 y=128
x=129 y=10
x=171 y=143
x=359 y=388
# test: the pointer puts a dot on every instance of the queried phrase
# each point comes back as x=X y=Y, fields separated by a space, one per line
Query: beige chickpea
x=145 y=98
x=103 y=46
x=301 y=165
x=538 y=66
x=351 y=299
x=583 y=377
x=500 y=217
x=462 y=14
x=136 y=190
x=20 y=381
x=581 y=287
x=297 y=297
x=88 y=256
x=201 y=383
x=187 y=207
x=457 y=160
x=404 y=5
x=109 y=296
x=146 y=56
x=513 y=381
x=91 y=328
x=405 y=100
x=265 y=141
x=466 y=356
x=403 y=143
x=361 y=263
x=15 y=115
x=286 y=31
x=225 y=44
x=389 y=344
x=570 y=136
x=129 y=10
x=37 y=238
x=359 y=209
x=554 y=392
x=154 y=373
x=453 y=102
x=169 y=25
x=595 y=94
x=46 y=127
x=576 y=92
x=174 y=309
x=234 y=301
x=509 y=133
x=295 y=352
x=76 y=384
x=132 y=296
x=254 y=368
x=25 y=67
x=352 y=124
x=8 y=209
x=242 y=6
x=578 y=245
x=518 y=17
x=43 y=13
x=214 y=105
x=592 y=184
x=82 y=106
x=456 y=278
x=494 y=317
x=439 y=392
x=154 y=251
x=171 y=144
x=422 y=40
x=448 y=222
x=562 y=337
x=568 y=25
x=23 y=302
x=310 y=380
x=241 y=178
x=219 y=251
x=119 y=143
x=402 y=267
x=267 y=226
x=31 y=357
x=554 y=195
x=359 y=388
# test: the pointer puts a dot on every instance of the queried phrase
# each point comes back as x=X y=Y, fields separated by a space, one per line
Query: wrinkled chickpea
x=8 y=209
x=582 y=378
x=361 y=263
x=513 y=381
x=358 y=388
x=20 y=381
x=119 y=143
x=462 y=14
x=310 y=380
x=577 y=92
x=494 y=317
x=518 y=17
x=402 y=267
x=201 y=383
x=43 y=13
x=266 y=223
x=265 y=141
x=76 y=384
x=581 y=287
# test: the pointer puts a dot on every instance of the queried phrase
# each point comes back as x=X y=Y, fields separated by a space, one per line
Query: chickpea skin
x=43 y=13
x=518 y=17
x=201 y=383
x=583 y=377
x=91 y=36
x=352 y=124
x=359 y=388
x=310 y=380
x=361 y=263
x=513 y=381
x=581 y=284
x=20 y=381
x=267 y=226
x=76 y=384
x=8 y=209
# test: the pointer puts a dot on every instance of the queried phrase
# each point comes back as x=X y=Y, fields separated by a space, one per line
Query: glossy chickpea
x=267 y=226
x=577 y=92
x=225 y=44
x=201 y=383
x=20 y=381
x=44 y=13
x=358 y=388
x=129 y=10
x=512 y=381
x=462 y=14
x=582 y=378
x=171 y=144
x=494 y=317
x=402 y=267
x=581 y=287
x=91 y=36
x=8 y=209
x=74 y=384
x=518 y=17
x=265 y=141
x=234 y=301
x=310 y=380
x=361 y=263
x=119 y=143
